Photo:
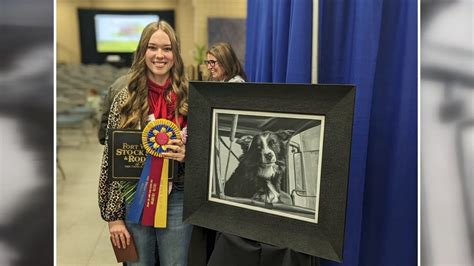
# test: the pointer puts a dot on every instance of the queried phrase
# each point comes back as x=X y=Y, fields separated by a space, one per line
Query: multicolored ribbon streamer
x=151 y=198
x=136 y=207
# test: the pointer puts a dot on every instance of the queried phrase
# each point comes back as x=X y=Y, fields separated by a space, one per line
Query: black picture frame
x=465 y=153
x=323 y=238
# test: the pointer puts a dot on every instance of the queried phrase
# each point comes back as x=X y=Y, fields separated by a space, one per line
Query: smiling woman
x=223 y=64
x=159 y=57
x=156 y=91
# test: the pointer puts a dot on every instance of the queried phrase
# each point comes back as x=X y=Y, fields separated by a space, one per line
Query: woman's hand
x=176 y=150
x=119 y=234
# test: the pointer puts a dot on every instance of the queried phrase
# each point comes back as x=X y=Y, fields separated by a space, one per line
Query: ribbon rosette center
x=161 y=138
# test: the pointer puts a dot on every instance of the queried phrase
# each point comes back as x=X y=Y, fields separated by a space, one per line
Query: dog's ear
x=244 y=142
x=285 y=135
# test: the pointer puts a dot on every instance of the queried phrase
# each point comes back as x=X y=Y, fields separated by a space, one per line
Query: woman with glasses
x=223 y=64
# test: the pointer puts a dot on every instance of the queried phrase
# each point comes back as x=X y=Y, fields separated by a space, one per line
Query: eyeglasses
x=211 y=63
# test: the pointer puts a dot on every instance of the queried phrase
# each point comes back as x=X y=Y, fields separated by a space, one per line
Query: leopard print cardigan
x=111 y=201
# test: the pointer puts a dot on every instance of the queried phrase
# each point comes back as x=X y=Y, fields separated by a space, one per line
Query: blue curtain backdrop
x=372 y=44
x=273 y=29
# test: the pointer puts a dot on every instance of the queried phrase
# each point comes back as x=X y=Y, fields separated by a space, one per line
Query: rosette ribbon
x=150 y=203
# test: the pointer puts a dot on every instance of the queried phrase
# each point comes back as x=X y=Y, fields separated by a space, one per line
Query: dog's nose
x=269 y=155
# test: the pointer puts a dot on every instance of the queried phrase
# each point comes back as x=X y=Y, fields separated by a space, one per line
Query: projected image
x=120 y=33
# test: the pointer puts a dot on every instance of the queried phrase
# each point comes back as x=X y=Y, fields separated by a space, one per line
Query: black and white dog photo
x=267 y=161
x=262 y=168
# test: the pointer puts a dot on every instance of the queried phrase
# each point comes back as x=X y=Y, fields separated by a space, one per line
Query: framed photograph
x=270 y=162
x=267 y=162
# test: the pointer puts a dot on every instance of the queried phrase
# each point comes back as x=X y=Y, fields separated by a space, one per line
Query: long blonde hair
x=226 y=57
x=135 y=111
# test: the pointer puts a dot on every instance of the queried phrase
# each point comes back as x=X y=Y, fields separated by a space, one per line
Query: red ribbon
x=160 y=108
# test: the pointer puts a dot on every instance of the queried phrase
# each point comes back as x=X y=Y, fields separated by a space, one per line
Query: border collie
x=261 y=168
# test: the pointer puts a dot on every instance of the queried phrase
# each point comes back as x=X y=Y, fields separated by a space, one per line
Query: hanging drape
x=348 y=49
x=372 y=44
x=273 y=29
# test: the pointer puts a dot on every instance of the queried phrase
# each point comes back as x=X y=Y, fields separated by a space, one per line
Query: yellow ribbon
x=162 y=204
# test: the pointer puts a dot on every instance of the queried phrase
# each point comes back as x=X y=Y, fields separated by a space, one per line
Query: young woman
x=157 y=88
x=223 y=64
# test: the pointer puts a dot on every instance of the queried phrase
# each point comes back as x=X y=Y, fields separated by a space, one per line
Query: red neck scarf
x=158 y=104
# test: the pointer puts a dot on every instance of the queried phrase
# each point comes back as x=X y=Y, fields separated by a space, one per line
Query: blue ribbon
x=136 y=207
